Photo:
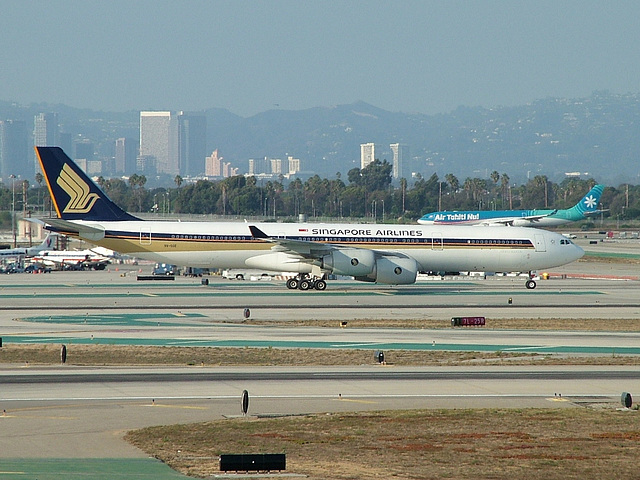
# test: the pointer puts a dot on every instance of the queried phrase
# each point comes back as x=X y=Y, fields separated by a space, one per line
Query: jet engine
x=393 y=271
x=364 y=266
x=354 y=262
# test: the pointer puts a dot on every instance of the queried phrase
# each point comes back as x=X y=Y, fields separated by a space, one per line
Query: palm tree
x=504 y=183
x=39 y=180
x=453 y=182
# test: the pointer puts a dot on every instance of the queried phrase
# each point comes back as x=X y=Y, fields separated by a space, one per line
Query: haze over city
x=250 y=57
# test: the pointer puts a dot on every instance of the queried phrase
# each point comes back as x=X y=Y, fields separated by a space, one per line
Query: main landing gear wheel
x=305 y=284
x=531 y=284
x=292 y=283
x=321 y=285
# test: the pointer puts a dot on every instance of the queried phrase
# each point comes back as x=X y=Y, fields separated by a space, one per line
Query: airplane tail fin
x=48 y=244
x=75 y=196
x=589 y=203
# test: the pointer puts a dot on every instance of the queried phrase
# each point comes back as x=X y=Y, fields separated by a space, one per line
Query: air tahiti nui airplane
x=520 y=218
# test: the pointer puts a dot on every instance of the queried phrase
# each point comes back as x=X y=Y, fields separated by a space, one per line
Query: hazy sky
x=251 y=56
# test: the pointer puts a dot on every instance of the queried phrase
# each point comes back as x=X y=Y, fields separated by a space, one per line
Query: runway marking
x=178 y=407
x=150 y=294
x=351 y=345
x=558 y=399
x=353 y=400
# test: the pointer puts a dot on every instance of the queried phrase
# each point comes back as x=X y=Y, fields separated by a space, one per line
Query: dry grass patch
x=35 y=354
x=562 y=324
x=425 y=444
x=105 y=355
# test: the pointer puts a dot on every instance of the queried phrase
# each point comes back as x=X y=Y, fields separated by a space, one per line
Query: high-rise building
x=126 y=153
x=294 y=165
x=84 y=149
x=46 y=131
x=276 y=166
x=400 y=155
x=192 y=137
x=367 y=154
x=14 y=151
x=159 y=139
x=259 y=166
x=213 y=165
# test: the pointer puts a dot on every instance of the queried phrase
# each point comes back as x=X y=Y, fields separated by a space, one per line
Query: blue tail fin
x=75 y=196
x=589 y=203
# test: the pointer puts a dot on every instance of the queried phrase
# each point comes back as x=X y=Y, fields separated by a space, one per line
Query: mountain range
x=595 y=136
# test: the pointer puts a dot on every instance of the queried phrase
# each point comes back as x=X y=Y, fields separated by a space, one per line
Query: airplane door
x=436 y=242
x=145 y=236
x=541 y=245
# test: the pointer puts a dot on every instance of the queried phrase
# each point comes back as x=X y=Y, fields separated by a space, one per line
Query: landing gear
x=531 y=283
x=304 y=282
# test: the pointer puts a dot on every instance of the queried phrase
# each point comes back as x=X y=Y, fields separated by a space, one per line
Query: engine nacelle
x=393 y=271
x=278 y=262
x=355 y=262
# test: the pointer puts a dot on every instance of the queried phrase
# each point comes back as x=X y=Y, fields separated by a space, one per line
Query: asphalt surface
x=53 y=415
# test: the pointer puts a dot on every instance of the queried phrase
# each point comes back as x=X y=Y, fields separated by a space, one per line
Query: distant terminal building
x=400 y=156
x=367 y=154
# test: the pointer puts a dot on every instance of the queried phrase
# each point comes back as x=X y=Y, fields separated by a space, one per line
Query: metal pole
x=13 y=209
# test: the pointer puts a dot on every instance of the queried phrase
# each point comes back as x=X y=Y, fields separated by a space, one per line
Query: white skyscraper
x=400 y=154
x=159 y=139
x=367 y=154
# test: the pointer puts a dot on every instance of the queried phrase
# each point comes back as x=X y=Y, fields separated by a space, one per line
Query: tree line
x=367 y=193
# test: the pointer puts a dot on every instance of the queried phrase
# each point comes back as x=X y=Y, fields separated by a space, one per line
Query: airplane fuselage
x=518 y=218
x=231 y=245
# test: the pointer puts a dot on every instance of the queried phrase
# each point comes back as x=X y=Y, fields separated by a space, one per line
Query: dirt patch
x=104 y=355
x=425 y=444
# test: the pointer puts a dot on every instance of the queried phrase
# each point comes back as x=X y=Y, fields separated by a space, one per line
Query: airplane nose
x=578 y=252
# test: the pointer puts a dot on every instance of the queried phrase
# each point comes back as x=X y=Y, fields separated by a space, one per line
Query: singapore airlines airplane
x=388 y=254
x=520 y=218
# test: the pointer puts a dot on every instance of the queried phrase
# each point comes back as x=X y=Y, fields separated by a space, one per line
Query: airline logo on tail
x=81 y=199
x=590 y=202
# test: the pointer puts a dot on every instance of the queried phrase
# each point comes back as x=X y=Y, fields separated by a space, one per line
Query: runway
x=74 y=412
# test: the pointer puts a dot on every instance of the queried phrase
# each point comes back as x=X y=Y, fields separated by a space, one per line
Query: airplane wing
x=303 y=248
x=306 y=248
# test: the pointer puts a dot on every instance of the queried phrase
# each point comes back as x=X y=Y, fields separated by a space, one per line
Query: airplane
x=521 y=218
x=29 y=251
x=79 y=259
x=385 y=254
